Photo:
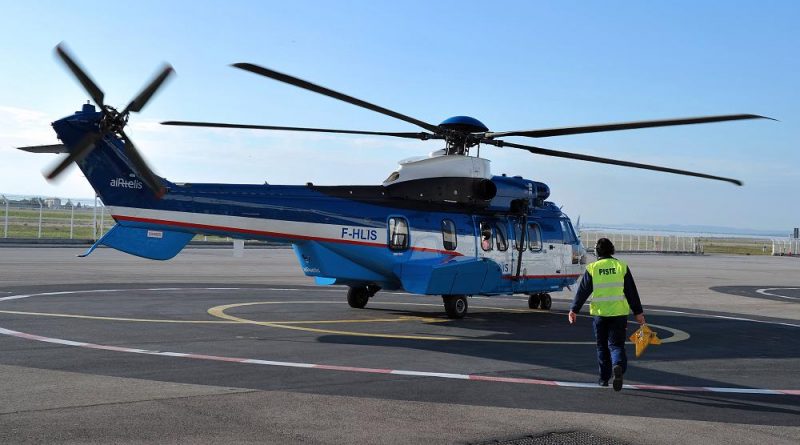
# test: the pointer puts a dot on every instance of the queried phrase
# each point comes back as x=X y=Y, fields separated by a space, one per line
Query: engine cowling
x=471 y=191
x=516 y=193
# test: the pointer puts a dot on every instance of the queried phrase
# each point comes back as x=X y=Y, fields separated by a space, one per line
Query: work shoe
x=617 y=377
x=602 y=382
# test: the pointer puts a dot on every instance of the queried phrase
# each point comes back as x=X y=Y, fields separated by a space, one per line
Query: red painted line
x=270 y=234
x=514 y=277
x=487 y=378
x=353 y=369
x=791 y=392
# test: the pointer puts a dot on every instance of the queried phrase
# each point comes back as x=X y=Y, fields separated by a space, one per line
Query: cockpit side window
x=569 y=232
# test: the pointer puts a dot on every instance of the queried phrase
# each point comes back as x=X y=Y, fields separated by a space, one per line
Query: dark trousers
x=610 y=334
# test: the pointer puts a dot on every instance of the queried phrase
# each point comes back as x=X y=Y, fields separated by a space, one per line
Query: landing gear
x=546 y=303
x=540 y=301
x=455 y=305
x=358 y=296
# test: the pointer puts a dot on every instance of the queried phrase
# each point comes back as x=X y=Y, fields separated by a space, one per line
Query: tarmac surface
x=210 y=348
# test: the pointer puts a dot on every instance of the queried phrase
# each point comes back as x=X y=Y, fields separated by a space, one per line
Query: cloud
x=23 y=126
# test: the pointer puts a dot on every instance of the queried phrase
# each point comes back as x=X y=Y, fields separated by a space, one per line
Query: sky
x=512 y=65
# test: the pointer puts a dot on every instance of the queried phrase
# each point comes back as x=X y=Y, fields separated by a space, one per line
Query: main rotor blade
x=568 y=155
x=140 y=101
x=423 y=136
x=79 y=152
x=51 y=148
x=140 y=166
x=94 y=91
x=623 y=126
x=334 y=94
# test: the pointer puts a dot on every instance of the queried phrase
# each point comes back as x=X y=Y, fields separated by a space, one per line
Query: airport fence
x=786 y=246
x=32 y=217
x=631 y=242
x=693 y=244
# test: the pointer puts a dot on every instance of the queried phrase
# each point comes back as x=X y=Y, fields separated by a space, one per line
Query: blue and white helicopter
x=438 y=225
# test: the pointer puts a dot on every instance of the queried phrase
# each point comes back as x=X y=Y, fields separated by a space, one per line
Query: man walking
x=614 y=295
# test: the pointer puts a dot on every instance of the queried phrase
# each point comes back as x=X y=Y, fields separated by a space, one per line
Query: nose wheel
x=455 y=305
x=540 y=301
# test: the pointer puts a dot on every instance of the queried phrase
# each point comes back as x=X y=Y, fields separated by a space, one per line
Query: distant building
x=52 y=203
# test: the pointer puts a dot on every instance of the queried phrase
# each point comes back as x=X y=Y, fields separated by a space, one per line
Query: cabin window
x=501 y=237
x=569 y=232
x=486 y=236
x=534 y=237
x=449 y=234
x=518 y=237
x=398 y=233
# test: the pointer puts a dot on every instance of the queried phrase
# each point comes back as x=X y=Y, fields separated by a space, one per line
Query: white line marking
x=253 y=361
x=442 y=375
x=577 y=385
x=764 y=292
x=725 y=317
x=340 y=368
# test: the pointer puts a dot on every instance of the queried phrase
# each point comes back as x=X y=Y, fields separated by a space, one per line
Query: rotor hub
x=464 y=124
x=113 y=120
x=461 y=133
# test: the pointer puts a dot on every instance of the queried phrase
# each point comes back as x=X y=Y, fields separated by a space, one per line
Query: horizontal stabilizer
x=453 y=276
x=56 y=148
x=146 y=243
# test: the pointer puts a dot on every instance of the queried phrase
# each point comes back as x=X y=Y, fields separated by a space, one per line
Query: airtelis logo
x=126 y=183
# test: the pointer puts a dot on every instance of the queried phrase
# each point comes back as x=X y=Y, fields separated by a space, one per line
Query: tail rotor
x=111 y=122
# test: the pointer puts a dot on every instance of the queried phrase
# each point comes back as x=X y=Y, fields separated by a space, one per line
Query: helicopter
x=438 y=225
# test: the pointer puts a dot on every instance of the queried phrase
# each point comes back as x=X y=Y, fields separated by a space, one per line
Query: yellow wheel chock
x=643 y=338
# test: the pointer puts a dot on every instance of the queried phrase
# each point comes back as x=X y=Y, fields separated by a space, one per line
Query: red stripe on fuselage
x=270 y=234
x=514 y=277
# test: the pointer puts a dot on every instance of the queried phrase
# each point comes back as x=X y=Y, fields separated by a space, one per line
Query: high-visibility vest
x=608 y=288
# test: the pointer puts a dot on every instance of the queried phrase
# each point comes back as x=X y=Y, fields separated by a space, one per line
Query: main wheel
x=547 y=302
x=455 y=305
x=534 y=300
x=358 y=297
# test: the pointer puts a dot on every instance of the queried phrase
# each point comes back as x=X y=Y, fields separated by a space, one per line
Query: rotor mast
x=462 y=133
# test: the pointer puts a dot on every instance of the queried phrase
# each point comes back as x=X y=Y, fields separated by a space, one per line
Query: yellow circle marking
x=219 y=311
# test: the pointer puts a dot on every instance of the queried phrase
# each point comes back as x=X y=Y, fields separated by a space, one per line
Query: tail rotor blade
x=78 y=153
x=148 y=177
x=94 y=91
x=144 y=96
